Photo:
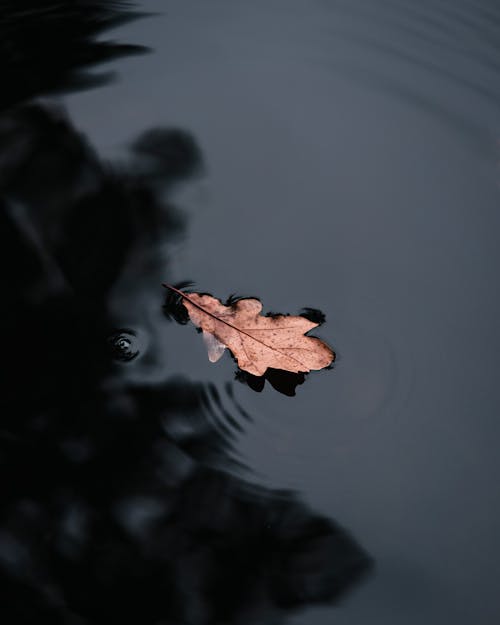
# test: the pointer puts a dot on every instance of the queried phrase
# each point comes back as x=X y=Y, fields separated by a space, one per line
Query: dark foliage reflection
x=118 y=503
x=49 y=46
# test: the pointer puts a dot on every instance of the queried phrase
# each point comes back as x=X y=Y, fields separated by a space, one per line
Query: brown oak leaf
x=257 y=342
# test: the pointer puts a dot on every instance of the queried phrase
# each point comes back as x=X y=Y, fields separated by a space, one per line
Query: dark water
x=337 y=155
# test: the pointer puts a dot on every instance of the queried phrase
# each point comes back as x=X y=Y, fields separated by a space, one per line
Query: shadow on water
x=118 y=500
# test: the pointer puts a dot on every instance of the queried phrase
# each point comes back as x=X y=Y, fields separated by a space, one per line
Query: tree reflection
x=51 y=46
x=118 y=503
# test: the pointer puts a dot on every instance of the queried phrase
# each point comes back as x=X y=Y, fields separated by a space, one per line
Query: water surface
x=348 y=162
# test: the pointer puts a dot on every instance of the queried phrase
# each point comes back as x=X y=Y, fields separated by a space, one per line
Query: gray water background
x=351 y=164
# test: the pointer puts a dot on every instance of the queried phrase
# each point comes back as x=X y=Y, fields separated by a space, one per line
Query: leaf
x=257 y=342
x=214 y=347
x=173 y=308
